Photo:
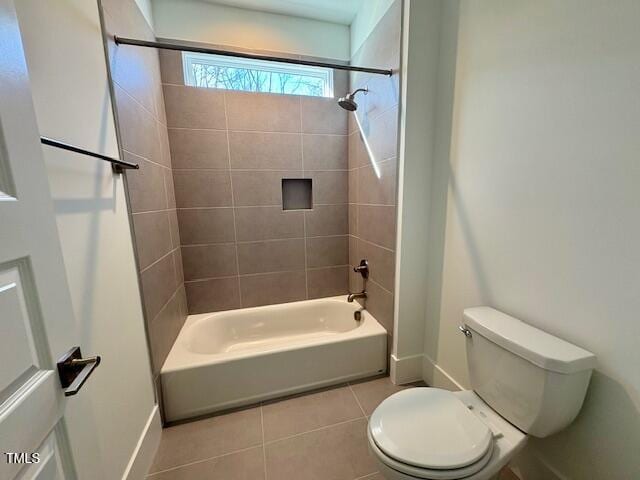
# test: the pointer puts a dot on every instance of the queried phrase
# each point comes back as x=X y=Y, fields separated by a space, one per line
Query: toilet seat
x=428 y=474
x=429 y=433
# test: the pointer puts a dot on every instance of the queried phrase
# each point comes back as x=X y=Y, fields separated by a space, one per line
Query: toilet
x=525 y=382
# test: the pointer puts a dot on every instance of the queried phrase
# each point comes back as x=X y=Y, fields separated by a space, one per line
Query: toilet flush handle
x=465 y=330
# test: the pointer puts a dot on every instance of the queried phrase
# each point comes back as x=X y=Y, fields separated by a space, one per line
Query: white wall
x=368 y=16
x=543 y=208
x=146 y=9
x=66 y=62
x=200 y=21
x=422 y=25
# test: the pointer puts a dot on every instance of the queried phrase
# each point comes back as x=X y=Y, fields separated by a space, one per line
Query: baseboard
x=146 y=448
x=435 y=376
x=406 y=369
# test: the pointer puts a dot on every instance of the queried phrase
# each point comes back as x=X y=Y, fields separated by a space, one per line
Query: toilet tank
x=533 y=379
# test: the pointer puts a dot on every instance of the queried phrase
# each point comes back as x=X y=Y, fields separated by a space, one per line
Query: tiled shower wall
x=230 y=152
x=140 y=114
x=373 y=166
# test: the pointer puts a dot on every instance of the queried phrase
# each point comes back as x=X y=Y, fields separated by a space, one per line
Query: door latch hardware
x=74 y=370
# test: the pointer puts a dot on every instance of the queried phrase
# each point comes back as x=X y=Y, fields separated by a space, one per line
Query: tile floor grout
x=264 y=449
x=357 y=400
x=195 y=462
x=267 y=443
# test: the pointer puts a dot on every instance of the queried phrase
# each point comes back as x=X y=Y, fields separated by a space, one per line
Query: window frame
x=190 y=58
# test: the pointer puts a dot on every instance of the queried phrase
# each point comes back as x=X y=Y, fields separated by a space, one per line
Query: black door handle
x=74 y=370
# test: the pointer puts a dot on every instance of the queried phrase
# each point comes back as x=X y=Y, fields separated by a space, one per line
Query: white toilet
x=525 y=382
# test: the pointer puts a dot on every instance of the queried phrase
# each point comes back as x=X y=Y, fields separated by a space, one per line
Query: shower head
x=348 y=103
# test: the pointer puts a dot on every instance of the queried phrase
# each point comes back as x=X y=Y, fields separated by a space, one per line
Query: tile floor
x=316 y=436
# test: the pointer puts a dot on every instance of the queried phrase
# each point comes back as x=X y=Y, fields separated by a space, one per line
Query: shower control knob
x=363 y=268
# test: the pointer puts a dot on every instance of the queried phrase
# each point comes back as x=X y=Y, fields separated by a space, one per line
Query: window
x=217 y=71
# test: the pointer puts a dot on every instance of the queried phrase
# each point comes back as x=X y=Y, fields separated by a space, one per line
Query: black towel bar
x=118 y=164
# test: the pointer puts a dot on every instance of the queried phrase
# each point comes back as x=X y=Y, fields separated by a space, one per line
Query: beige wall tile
x=177 y=261
x=271 y=256
x=206 y=188
x=138 y=128
x=327 y=251
x=383 y=135
x=158 y=284
x=171 y=66
x=268 y=223
x=163 y=331
x=380 y=303
x=272 y=288
x=330 y=187
x=309 y=412
x=153 y=236
x=199 y=148
x=325 y=152
x=327 y=220
x=377 y=224
x=259 y=188
x=353 y=185
x=327 y=282
x=213 y=295
x=381 y=263
x=263 y=112
x=353 y=219
x=192 y=107
x=377 y=186
x=323 y=115
x=344 y=455
x=209 y=261
x=145 y=186
x=265 y=150
x=206 y=225
x=174 y=228
x=169 y=188
x=208 y=438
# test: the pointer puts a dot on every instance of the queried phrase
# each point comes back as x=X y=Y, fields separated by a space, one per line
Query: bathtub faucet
x=353 y=296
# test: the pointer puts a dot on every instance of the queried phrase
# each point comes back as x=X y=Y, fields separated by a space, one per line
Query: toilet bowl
x=430 y=433
x=525 y=382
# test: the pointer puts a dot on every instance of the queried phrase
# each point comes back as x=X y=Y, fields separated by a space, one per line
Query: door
x=36 y=319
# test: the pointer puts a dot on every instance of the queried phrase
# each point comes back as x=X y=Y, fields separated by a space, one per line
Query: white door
x=36 y=319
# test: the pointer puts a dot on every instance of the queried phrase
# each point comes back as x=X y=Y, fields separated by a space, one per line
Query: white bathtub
x=238 y=357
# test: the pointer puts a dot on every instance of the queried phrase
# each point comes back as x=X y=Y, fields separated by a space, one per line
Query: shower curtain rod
x=116 y=163
x=173 y=45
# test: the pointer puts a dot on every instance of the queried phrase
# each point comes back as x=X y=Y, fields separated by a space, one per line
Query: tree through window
x=216 y=71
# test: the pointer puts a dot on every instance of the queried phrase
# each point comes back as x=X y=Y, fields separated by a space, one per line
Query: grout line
x=312 y=269
x=264 y=450
x=304 y=213
x=275 y=132
x=371 y=475
x=274 y=206
x=357 y=400
x=292 y=171
x=195 y=462
x=233 y=212
x=265 y=240
x=159 y=259
x=319 y=429
x=142 y=157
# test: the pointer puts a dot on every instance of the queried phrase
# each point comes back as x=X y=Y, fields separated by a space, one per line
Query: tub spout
x=353 y=296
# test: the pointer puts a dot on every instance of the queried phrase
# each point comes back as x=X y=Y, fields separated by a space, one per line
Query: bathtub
x=239 y=357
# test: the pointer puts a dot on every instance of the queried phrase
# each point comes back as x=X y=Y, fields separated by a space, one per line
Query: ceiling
x=336 y=11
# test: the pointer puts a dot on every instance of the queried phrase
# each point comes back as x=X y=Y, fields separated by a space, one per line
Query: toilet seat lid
x=429 y=428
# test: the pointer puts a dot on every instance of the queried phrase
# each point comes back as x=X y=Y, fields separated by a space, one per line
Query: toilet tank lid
x=538 y=347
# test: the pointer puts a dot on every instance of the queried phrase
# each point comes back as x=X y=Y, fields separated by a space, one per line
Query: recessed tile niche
x=297 y=193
